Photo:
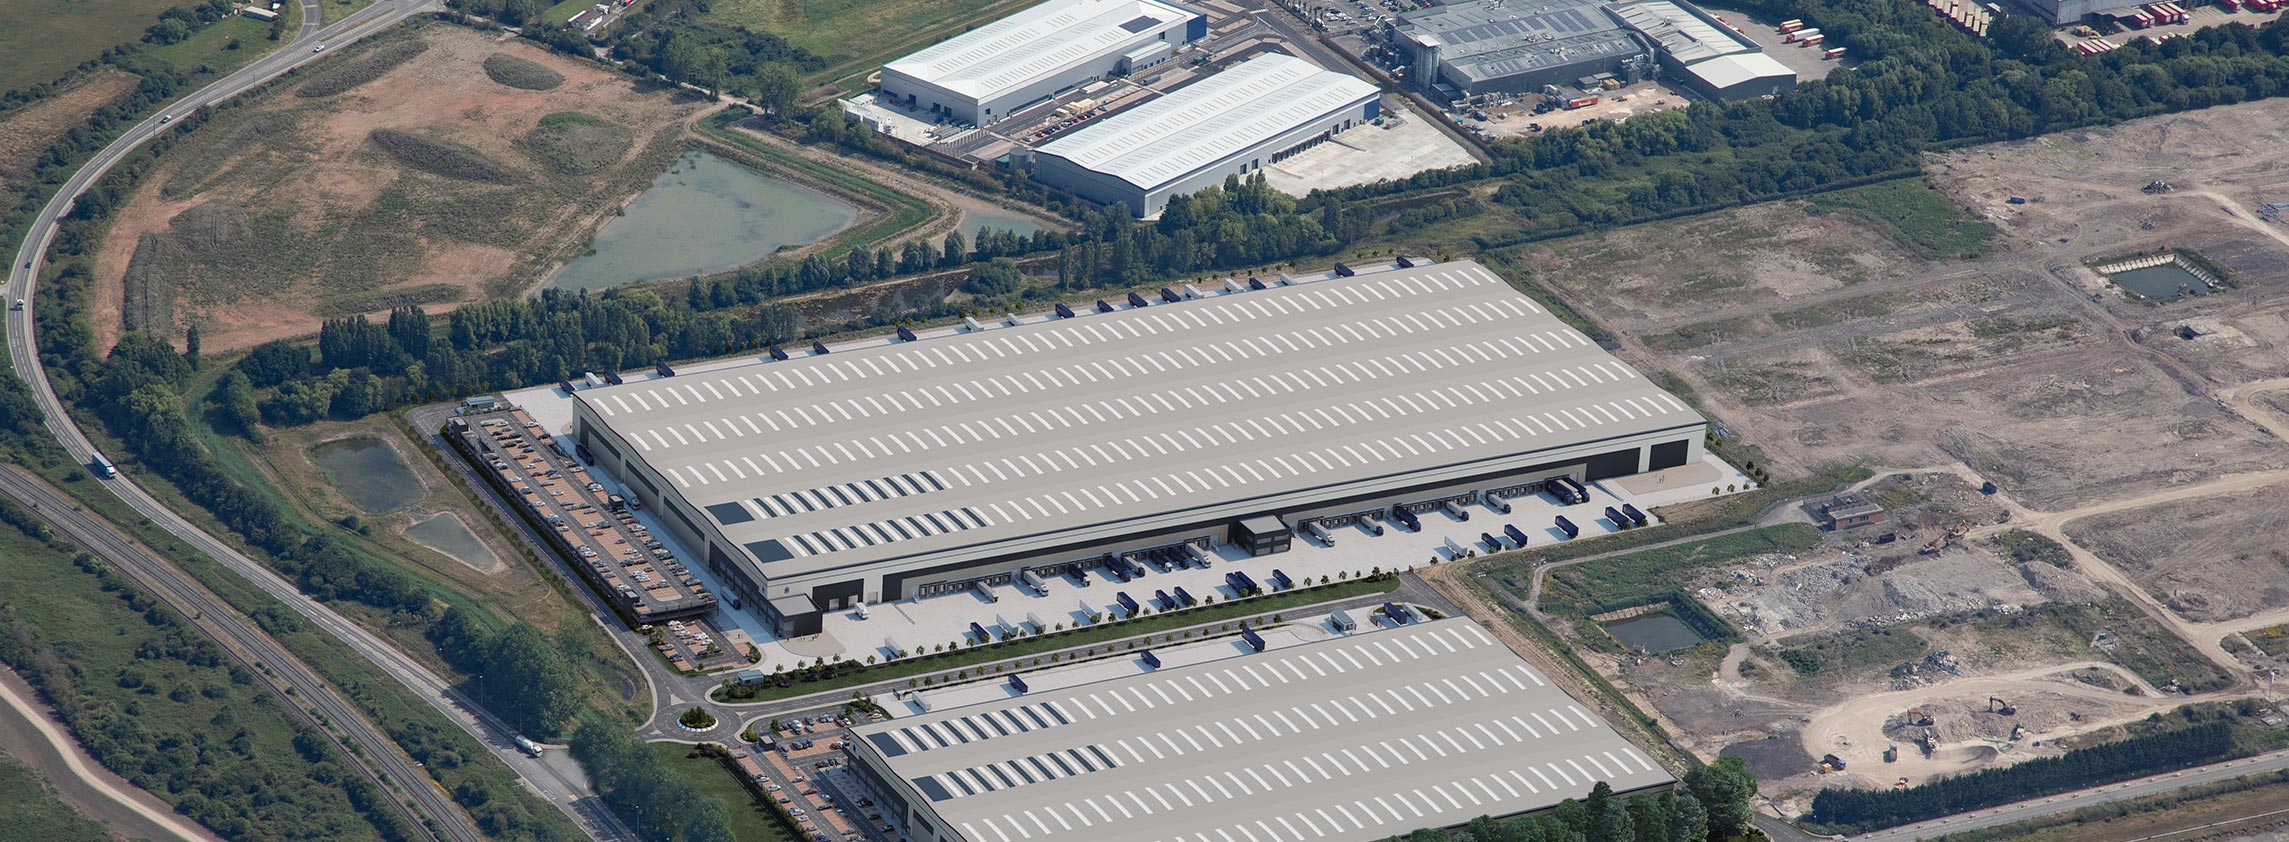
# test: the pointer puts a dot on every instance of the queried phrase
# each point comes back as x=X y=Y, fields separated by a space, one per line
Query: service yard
x=399 y=172
x=2124 y=551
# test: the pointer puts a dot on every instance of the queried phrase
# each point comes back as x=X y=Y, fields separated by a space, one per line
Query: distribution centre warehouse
x=988 y=73
x=1358 y=737
x=1258 y=112
x=906 y=469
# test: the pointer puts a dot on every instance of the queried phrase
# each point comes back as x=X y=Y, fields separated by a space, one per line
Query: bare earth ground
x=2158 y=462
x=330 y=224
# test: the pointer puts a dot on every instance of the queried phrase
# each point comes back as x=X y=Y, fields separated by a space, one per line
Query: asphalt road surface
x=376 y=757
x=558 y=780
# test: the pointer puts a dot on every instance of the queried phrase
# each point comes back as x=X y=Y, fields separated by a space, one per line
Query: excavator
x=1997 y=705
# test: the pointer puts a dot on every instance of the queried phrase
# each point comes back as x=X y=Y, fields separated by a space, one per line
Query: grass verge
x=751 y=821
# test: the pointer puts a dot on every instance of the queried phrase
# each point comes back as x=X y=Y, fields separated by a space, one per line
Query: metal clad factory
x=1359 y=737
x=904 y=469
x=1463 y=49
x=987 y=73
x=1257 y=113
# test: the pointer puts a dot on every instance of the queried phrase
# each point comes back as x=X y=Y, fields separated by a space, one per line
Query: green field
x=1924 y=220
x=860 y=34
x=29 y=812
x=44 y=38
x=1647 y=573
x=749 y=821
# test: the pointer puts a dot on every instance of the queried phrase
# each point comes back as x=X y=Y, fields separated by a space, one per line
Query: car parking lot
x=803 y=767
x=637 y=571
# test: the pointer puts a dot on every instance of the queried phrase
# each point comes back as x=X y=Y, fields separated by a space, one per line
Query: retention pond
x=705 y=214
x=1657 y=632
x=446 y=533
x=368 y=472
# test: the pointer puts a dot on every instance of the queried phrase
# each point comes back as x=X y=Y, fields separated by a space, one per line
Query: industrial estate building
x=1359 y=737
x=1256 y=113
x=1475 y=47
x=911 y=468
x=990 y=72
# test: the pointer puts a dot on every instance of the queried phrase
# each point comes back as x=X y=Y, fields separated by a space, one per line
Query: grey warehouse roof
x=1681 y=34
x=1366 y=736
x=1021 y=438
x=1015 y=50
x=1491 y=40
x=1205 y=122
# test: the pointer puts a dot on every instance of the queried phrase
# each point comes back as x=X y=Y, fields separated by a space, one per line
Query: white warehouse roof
x=1200 y=124
x=1727 y=71
x=1010 y=52
x=1358 y=737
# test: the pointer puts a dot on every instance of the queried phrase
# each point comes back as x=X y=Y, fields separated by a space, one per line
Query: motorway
x=375 y=756
x=553 y=777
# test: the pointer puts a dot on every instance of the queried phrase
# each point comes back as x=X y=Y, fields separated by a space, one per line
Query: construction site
x=2073 y=481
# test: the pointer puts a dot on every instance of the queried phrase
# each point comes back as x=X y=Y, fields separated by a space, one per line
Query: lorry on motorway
x=102 y=467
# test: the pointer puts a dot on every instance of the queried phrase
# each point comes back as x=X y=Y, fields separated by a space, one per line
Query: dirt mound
x=521 y=74
x=348 y=76
x=574 y=143
x=212 y=228
x=149 y=306
x=1771 y=758
x=442 y=157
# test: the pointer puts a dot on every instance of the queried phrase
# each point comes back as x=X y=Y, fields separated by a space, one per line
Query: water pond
x=704 y=214
x=974 y=220
x=2160 y=283
x=1657 y=632
x=446 y=533
x=368 y=472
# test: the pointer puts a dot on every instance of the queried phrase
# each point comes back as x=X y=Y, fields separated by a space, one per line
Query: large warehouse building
x=1703 y=54
x=1258 y=112
x=906 y=469
x=1362 y=737
x=1463 y=49
x=990 y=72
x=1475 y=47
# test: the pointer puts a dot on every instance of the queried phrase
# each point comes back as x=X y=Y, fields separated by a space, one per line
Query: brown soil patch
x=340 y=225
x=26 y=132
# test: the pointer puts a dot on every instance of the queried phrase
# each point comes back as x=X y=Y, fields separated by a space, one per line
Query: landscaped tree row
x=1856 y=810
x=1713 y=807
x=642 y=791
